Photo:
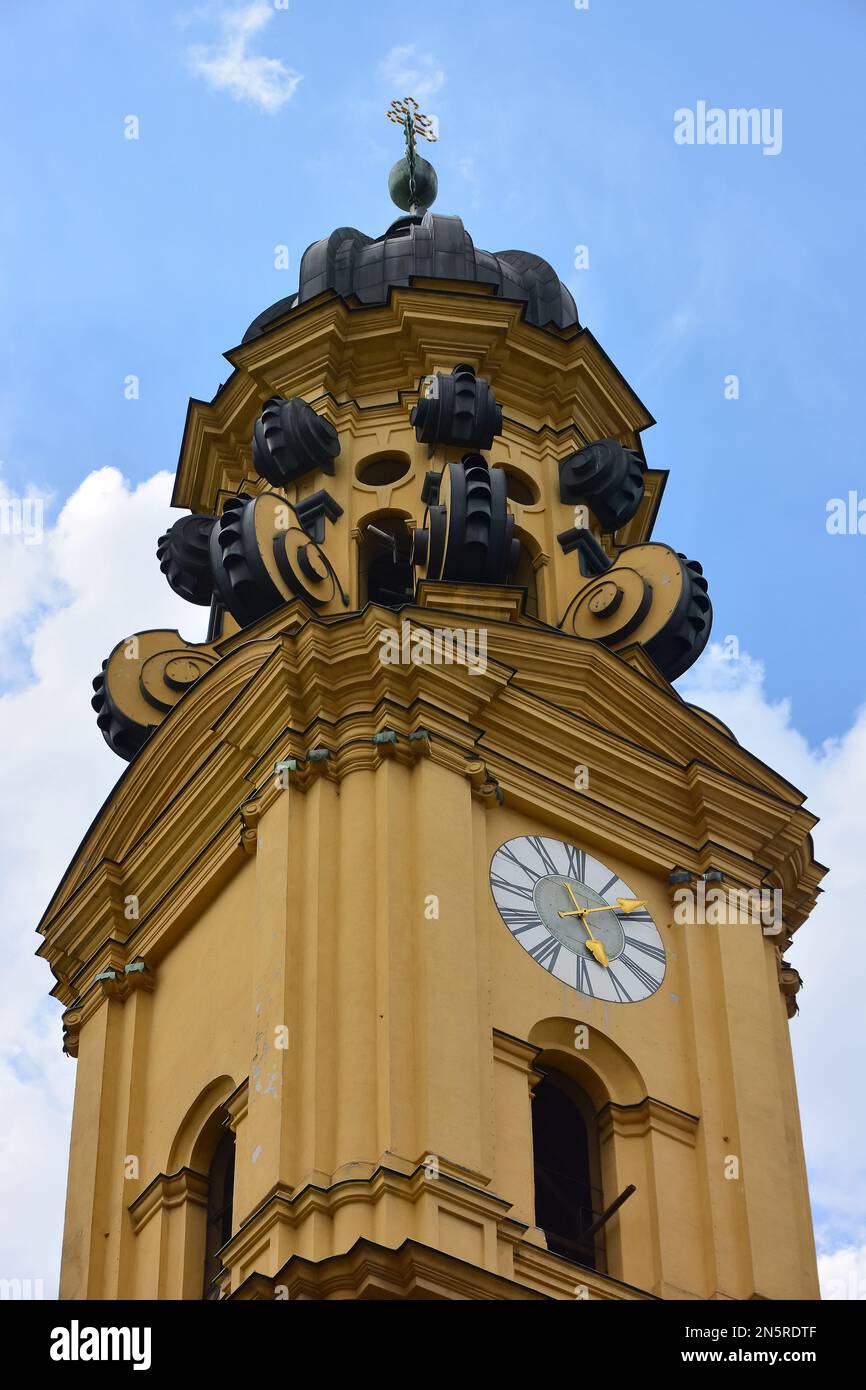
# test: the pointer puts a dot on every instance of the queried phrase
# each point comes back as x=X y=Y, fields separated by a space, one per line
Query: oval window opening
x=519 y=488
x=379 y=472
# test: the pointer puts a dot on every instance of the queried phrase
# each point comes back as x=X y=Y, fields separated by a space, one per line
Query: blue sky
x=151 y=257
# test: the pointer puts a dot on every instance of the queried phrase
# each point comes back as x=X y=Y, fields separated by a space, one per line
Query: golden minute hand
x=593 y=945
x=580 y=911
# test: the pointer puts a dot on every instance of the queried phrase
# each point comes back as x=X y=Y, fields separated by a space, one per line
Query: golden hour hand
x=625 y=905
x=593 y=945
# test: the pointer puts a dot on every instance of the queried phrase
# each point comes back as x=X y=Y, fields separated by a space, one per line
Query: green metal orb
x=426 y=184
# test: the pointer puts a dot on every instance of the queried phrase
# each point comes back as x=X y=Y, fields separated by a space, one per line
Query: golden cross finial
x=405 y=113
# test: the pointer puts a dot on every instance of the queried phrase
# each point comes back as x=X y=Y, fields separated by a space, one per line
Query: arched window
x=526 y=576
x=568 y=1197
x=220 y=1191
x=386 y=576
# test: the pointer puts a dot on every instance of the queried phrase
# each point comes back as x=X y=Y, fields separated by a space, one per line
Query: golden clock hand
x=581 y=911
x=625 y=905
x=593 y=945
x=596 y=947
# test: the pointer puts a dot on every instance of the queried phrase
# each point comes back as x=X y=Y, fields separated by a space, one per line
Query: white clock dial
x=577 y=919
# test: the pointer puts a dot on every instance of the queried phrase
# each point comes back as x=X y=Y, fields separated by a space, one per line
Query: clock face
x=577 y=919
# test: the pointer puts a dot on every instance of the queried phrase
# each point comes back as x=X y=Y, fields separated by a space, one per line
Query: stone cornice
x=368 y=1184
x=412 y=1271
x=546 y=1274
x=561 y=1279
x=168 y=1190
x=417 y=1271
x=514 y=1052
x=634 y=1121
x=237 y=1104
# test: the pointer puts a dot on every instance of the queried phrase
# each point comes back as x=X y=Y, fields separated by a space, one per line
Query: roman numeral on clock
x=655 y=952
x=576 y=862
x=519 y=919
x=584 y=983
x=507 y=852
x=543 y=853
x=547 y=952
x=622 y=994
x=518 y=889
x=646 y=980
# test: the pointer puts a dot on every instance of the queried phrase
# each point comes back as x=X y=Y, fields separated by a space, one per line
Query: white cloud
x=229 y=65
x=93 y=580
x=411 y=73
x=829 y=950
x=843 y=1274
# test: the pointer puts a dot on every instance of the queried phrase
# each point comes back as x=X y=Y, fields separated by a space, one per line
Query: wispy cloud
x=229 y=66
x=412 y=73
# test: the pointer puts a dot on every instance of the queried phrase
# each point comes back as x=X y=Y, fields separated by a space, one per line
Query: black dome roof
x=427 y=245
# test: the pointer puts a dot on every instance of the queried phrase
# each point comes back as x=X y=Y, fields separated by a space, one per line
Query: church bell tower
x=430 y=946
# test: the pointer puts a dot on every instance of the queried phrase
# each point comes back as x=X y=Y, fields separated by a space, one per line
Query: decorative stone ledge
x=167 y=1191
x=369 y=1271
x=115 y=982
x=251 y=814
x=634 y=1121
x=485 y=788
x=496 y=603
